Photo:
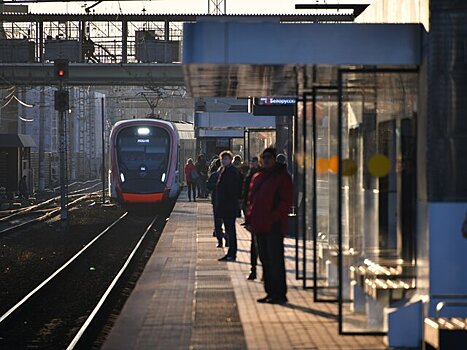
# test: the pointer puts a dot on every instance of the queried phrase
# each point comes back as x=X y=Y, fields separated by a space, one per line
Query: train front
x=140 y=163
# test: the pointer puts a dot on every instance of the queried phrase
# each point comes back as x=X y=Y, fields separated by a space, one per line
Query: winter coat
x=202 y=167
x=212 y=184
x=269 y=200
x=228 y=193
x=246 y=185
x=188 y=169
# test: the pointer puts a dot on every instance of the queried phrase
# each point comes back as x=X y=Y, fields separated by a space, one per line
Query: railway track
x=69 y=306
x=37 y=213
x=10 y=214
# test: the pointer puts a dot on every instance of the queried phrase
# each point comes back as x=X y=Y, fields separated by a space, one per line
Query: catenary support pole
x=103 y=149
x=63 y=201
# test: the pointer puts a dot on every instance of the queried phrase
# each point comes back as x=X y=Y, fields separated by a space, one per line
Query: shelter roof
x=16 y=141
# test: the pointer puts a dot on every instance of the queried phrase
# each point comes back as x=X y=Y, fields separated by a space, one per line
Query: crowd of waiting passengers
x=262 y=190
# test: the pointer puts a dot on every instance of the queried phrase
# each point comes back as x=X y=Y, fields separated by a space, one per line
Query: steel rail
x=109 y=290
x=50 y=214
x=27 y=209
x=60 y=269
x=76 y=183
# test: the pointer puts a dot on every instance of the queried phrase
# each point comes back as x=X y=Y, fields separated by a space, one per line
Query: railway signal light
x=62 y=103
x=61 y=69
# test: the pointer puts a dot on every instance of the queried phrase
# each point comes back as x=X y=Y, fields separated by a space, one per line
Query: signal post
x=61 y=105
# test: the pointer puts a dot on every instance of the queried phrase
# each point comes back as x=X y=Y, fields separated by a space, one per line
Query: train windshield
x=143 y=155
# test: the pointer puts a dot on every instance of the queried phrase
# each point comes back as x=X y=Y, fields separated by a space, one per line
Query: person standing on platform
x=237 y=161
x=228 y=193
x=254 y=168
x=191 y=175
x=281 y=159
x=202 y=167
x=269 y=203
x=23 y=188
x=212 y=184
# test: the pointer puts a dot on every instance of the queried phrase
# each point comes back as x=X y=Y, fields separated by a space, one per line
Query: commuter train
x=146 y=160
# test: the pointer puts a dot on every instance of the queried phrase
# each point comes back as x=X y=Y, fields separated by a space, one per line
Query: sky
x=185 y=6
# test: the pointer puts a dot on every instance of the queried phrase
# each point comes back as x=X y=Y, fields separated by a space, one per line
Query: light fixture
x=163 y=177
x=143 y=131
x=122 y=177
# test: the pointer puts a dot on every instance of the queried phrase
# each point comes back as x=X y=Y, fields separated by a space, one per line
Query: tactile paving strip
x=216 y=320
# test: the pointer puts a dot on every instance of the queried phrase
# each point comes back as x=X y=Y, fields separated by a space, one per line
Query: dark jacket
x=202 y=167
x=212 y=184
x=269 y=200
x=22 y=187
x=228 y=193
x=246 y=186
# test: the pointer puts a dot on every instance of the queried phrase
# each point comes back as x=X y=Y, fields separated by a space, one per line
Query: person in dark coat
x=254 y=168
x=228 y=194
x=202 y=168
x=269 y=203
x=212 y=184
x=23 y=188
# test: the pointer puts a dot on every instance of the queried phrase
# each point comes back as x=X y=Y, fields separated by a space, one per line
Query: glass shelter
x=354 y=147
x=356 y=191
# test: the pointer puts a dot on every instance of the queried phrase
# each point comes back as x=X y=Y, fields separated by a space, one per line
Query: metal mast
x=217 y=7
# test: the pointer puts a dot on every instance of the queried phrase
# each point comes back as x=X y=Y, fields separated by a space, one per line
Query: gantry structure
x=112 y=49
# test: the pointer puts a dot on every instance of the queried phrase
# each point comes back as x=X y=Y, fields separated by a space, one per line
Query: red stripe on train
x=143 y=198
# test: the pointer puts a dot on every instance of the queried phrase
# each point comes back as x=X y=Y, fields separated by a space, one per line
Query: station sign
x=274 y=106
x=275 y=101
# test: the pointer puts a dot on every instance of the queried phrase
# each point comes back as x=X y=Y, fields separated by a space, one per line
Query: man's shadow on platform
x=311 y=311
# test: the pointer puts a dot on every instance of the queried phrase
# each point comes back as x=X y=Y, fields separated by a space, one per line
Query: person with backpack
x=269 y=203
x=191 y=177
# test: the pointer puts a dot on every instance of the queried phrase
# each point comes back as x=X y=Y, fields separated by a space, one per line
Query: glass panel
x=308 y=189
x=237 y=147
x=299 y=178
x=325 y=167
x=259 y=140
x=246 y=138
x=377 y=196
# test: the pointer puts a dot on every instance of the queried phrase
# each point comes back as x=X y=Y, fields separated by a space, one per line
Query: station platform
x=186 y=299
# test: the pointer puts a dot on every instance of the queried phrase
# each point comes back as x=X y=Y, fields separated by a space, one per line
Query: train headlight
x=143 y=131
x=163 y=177
x=122 y=177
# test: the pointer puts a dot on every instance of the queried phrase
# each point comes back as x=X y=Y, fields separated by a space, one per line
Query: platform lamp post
x=62 y=104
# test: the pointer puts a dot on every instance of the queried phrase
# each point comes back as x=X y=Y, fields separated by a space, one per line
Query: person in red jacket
x=269 y=202
x=190 y=174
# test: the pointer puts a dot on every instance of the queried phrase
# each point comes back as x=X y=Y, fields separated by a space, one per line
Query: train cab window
x=143 y=156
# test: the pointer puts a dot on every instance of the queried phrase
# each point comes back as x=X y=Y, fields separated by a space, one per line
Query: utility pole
x=41 y=174
x=103 y=149
x=217 y=7
x=62 y=104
